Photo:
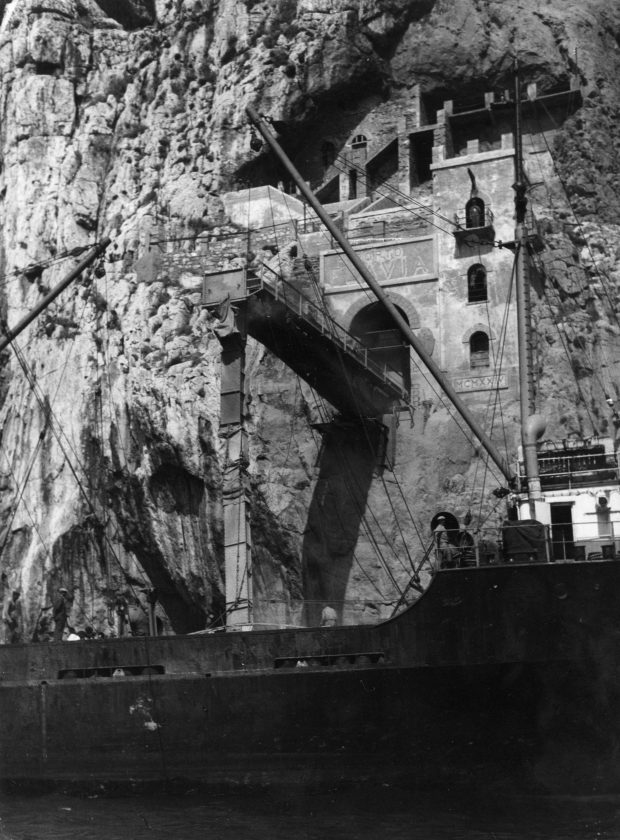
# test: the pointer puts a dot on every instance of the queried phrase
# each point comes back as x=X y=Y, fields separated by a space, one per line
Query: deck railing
x=564 y=471
x=558 y=542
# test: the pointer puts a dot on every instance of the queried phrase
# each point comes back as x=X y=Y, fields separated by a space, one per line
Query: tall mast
x=532 y=425
x=11 y=334
x=402 y=324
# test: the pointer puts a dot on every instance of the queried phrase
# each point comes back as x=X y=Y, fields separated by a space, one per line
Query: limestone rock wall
x=127 y=119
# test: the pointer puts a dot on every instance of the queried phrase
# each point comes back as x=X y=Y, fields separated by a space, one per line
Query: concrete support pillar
x=237 y=536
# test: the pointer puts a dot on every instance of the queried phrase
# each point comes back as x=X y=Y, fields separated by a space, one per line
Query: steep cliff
x=127 y=119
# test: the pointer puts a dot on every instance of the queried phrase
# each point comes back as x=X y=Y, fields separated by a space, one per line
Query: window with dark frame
x=479 y=350
x=476 y=284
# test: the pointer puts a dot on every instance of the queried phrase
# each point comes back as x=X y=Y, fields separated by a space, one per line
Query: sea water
x=375 y=813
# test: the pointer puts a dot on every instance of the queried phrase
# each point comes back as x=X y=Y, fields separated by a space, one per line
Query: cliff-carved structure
x=127 y=119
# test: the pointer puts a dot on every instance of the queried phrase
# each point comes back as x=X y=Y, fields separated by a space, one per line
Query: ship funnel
x=534 y=428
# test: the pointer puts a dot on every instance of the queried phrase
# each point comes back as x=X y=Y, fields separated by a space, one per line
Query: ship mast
x=406 y=331
x=11 y=334
x=532 y=424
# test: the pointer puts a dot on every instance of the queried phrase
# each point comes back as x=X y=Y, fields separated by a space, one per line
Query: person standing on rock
x=62 y=606
x=12 y=618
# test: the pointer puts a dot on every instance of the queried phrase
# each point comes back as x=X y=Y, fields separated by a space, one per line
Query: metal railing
x=555 y=543
x=567 y=471
x=487 y=221
x=315 y=225
x=303 y=307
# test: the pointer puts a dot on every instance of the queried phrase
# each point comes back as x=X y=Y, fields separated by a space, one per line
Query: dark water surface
x=363 y=814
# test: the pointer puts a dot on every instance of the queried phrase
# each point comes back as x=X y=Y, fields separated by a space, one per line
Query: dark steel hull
x=506 y=672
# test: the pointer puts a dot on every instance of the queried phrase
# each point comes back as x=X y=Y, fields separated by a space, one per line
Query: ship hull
x=386 y=703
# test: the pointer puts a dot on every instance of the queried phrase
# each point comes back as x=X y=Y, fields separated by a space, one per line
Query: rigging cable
x=347 y=468
x=422 y=371
x=327 y=315
x=57 y=431
x=595 y=265
x=331 y=326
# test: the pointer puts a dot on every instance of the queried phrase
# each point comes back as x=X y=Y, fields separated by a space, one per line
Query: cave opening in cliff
x=373 y=326
x=133 y=14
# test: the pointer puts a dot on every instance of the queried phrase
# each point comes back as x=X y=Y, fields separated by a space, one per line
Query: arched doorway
x=374 y=327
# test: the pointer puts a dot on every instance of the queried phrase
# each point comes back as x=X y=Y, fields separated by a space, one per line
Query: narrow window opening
x=420 y=157
x=352 y=183
x=328 y=154
x=479 y=350
x=474 y=213
x=476 y=284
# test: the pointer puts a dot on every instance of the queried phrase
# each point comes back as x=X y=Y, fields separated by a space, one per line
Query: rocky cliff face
x=127 y=119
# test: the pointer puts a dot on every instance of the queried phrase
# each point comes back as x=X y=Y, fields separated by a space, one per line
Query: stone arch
x=479 y=350
x=371 y=324
x=485 y=328
x=408 y=309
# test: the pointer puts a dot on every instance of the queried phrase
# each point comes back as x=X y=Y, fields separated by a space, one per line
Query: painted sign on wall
x=481 y=383
x=388 y=262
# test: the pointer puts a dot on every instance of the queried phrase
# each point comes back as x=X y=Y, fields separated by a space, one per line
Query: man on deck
x=12 y=618
x=445 y=550
x=329 y=617
x=62 y=606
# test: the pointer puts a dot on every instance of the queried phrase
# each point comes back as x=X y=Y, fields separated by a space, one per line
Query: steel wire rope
x=585 y=351
x=422 y=371
x=327 y=315
x=354 y=483
x=491 y=513
x=323 y=308
x=458 y=424
x=31 y=379
x=595 y=266
x=564 y=342
x=425 y=376
x=321 y=406
x=21 y=486
x=43 y=264
x=20 y=500
x=366 y=434
x=331 y=326
x=19 y=353
x=428 y=211
x=542 y=267
x=53 y=425
x=498 y=405
x=494 y=398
